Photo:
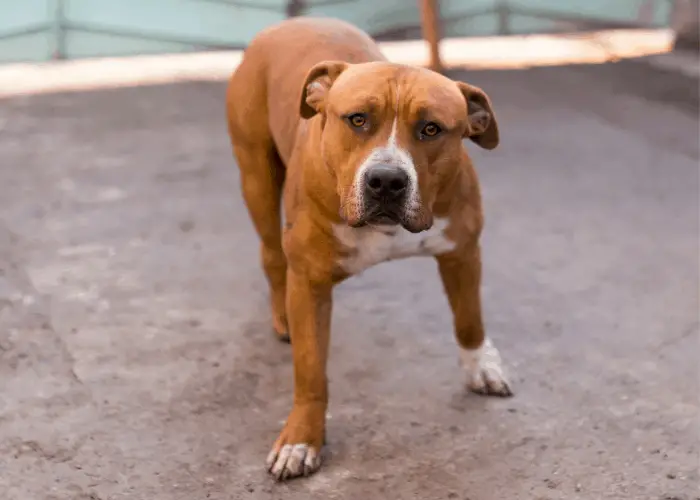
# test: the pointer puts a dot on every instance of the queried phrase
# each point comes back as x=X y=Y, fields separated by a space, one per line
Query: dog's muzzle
x=386 y=190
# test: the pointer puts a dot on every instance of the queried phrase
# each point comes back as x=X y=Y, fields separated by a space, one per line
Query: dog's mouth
x=382 y=218
x=387 y=214
x=378 y=215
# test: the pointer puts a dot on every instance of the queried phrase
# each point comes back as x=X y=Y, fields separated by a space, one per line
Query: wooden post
x=430 y=24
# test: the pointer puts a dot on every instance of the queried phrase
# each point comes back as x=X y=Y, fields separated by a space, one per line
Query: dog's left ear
x=482 y=127
x=316 y=85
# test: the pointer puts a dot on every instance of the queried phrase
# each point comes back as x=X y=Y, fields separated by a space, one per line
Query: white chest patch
x=371 y=245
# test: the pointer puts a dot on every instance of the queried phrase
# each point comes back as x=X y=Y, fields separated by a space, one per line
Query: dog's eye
x=430 y=130
x=358 y=120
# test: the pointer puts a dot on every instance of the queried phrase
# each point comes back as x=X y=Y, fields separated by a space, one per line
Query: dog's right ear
x=316 y=85
x=482 y=127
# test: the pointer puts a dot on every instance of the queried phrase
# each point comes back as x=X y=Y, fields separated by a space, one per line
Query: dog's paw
x=293 y=460
x=297 y=450
x=280 y=329
x=485 y=374
x=282 y=336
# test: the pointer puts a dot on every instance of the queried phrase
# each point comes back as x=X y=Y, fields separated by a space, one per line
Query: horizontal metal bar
x=249 y=5
x=398 y=30
x=213 y=44
x=573 y=18
x=466 y=15
x=326 y=3
x=26 y=30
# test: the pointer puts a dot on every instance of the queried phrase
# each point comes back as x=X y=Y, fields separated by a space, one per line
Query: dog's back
x=264 y=91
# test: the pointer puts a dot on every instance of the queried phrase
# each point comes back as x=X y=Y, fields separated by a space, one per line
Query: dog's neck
x=317 y=182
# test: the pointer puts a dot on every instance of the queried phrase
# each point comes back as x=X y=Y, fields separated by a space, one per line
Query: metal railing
x=428 y=22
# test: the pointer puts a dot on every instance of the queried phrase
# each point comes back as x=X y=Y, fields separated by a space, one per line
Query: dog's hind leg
x=262 y=180
x=262 y=175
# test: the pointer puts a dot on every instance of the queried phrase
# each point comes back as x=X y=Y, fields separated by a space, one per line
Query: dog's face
x=392 y=135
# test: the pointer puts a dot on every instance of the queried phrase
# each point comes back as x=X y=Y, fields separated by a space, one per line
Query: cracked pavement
x=137 y=362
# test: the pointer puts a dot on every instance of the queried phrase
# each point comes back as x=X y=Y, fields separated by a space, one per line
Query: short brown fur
x=283 y=104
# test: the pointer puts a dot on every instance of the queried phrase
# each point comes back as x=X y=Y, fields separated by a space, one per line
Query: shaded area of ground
x=136 y=360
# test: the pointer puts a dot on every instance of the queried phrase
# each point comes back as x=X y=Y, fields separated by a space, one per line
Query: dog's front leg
x=297 y=451
x=461 y=276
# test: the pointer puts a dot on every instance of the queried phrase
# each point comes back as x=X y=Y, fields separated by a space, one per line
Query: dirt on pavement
x=137 y=362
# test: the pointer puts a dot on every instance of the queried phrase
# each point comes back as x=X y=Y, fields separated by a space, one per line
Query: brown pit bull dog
x=371 y=161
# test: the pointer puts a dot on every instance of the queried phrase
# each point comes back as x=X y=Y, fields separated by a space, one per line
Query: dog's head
x=392 y=135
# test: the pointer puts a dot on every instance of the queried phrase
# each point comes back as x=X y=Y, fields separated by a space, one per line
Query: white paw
x=485 y=374
x=293 y=461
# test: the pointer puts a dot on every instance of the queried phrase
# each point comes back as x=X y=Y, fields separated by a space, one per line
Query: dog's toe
x=489 y=384
x=485 y=374
x=282 y=336
x=292 y=461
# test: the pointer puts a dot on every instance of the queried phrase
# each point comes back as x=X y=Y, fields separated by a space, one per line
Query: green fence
x=38 y=30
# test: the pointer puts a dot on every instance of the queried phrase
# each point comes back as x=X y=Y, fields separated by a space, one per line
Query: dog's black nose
x=386 y=182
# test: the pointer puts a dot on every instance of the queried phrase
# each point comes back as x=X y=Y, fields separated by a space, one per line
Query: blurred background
x=136 y=354
x=39 y=30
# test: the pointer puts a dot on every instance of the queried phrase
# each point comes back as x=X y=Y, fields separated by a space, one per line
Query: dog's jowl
x=368 y=162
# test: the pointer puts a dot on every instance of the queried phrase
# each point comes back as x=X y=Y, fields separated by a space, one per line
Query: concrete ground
x=136 y=360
